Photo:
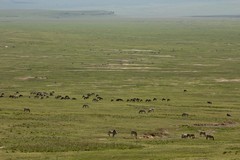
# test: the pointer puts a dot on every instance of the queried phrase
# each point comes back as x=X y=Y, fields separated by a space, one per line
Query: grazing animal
x=184 y=90
x=119 y=100
x=185 y=115
x=150 y=110
x=142 y=111
x=95 y=100
x=168 y=99
x=209 y=102
x=163 y=99
x=85 y=106
x=184 y=135
x=112 y=132
x=26 y=110
x=154 y=99
x=148 y=100
x=134 y=133
x=188 y=135
x=202 y=133
x=209 y=137
x=191 y=136
x=229 y=115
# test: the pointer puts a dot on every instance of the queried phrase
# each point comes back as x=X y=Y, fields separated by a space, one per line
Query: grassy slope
x=107 y=57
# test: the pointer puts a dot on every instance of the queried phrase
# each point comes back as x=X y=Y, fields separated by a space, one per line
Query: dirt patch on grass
x=223 y=124
x=159 y=133
x=31 y=77
x=25 y=78
x=223 y=80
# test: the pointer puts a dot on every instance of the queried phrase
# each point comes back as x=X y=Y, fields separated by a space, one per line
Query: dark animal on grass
x=85 y=106
x=202 y=133
x=99 y=98
x=191 y=136
x=85 y=97
x=148 y=100
x=168 y=99
x=185 y=115
x=95 y=100
x=119 y=100
x=142 y=111
x=229 y=115
x=209 y=137
x=209 y=102
x=150 y=110
x=26 y=110
x=163 y=99
x=184 y=90
x=134 y=133
x=184 y=136
x=154 y=99
x=112 y=132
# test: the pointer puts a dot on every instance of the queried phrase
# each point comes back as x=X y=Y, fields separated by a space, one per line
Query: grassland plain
x=120 y=59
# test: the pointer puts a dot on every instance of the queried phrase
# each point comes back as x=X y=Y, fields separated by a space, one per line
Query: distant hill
x=218 y=16
x=52 y=13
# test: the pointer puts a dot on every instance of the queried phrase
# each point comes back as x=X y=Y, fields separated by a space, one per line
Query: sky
x=134 y=8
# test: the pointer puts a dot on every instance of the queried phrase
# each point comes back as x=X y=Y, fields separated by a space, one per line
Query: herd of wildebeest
x=96 y=98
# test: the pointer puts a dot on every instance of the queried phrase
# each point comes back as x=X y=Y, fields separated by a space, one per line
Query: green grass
x=120 y=59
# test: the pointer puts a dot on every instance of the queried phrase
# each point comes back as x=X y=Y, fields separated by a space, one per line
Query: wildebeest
x=85 y=106
x=85 y=97
x=163 y=99
x=95 y=100
x=150 y=110
x=142 y=111
x=209 y=102
x=148 y=100
x=188 y=135
x=184 y=90
x=119 y=100
x=229 y=115
x=184 y=135
x=112 y=132
x=209 y=137
x=202 y=133
x=134 y=133
x=185 y=115
x=26 y=110
x=191 y=136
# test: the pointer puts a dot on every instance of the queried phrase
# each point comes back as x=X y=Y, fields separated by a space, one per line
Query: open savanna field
x=110 y=62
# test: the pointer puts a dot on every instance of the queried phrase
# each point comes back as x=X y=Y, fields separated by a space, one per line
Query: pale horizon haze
x=134 y=8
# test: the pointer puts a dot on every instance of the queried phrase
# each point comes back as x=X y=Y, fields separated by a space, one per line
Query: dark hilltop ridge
x=53 y=13
x=216 y=16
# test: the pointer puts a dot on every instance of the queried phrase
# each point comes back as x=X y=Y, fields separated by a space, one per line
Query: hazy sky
x=134 y=8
